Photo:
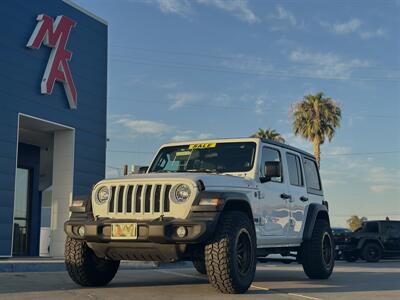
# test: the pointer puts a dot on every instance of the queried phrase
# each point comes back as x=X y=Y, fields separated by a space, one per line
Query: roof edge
x=85 y=11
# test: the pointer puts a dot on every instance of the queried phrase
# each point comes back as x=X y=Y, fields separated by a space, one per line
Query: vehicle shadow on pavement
x=280 y=280
x=340 y=281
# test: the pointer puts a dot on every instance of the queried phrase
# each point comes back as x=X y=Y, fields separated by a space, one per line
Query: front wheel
x=231 y=257
x=318 y=253
x=372 y=252
x=84 y=267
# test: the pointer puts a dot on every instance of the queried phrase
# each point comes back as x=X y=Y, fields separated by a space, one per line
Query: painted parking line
x=283 y=293
x=259 y=288
x=253 y=286
x=303 y=296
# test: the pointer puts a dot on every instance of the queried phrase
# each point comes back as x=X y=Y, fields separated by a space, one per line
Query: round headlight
x=182 y=193
x=103 y=194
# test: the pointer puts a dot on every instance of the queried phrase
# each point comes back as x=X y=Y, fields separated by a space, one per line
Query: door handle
x=303 y=198
x=286 y=196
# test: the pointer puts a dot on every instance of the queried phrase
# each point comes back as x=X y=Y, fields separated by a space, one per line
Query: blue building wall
x=21 y=71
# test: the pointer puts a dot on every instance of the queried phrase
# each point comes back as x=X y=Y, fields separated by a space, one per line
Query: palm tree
x=270 y=134
x=315 y=118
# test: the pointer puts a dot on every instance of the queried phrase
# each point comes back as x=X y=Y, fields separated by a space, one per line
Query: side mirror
x=271 y=169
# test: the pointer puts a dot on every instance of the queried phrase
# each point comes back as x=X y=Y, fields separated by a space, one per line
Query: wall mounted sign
x=55 y=34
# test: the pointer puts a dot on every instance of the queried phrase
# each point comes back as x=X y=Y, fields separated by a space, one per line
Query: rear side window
x=372 y=227
x=391 y=229
x=294 y=168
x=312 y=176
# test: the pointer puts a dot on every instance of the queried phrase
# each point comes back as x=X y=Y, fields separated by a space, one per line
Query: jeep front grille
x=139 y=199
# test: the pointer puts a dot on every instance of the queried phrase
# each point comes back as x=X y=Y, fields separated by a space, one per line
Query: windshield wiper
x=202 y=171
x=164 y=171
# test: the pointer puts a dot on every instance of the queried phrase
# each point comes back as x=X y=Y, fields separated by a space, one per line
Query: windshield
x=206 y=157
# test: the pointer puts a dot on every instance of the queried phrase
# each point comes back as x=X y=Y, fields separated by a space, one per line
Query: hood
x=209 y=180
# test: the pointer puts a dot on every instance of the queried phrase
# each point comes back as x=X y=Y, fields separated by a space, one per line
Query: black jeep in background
x=374 y=240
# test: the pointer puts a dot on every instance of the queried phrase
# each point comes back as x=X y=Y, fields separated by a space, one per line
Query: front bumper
x=157 y=240
x=155 y=231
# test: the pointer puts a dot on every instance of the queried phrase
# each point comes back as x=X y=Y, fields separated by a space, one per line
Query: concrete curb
x=14 y=266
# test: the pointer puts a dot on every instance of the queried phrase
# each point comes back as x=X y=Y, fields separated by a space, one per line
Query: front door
x=21 y=212
x=298 y=192
x=274 y=208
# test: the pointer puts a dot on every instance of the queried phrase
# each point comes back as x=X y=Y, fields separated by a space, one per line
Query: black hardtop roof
x=267 y=141
x=380 y=221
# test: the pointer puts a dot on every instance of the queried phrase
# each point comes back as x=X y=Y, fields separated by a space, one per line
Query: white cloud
x=260 y=103
x=285 y=15
x=186 y=135
x=169 y=85
x=126 y=126
x=179 y=7
x=184 y=8
x=346 y=27
x=354 y=26
x=283 y=19
x=325 y=64
x=182 y=99
x=381 y=188
x=366 y=35
x=259 y=106
x=383 y=179
x=238 y=8
x=247 y=63
x=337 y=150
x=143 y=127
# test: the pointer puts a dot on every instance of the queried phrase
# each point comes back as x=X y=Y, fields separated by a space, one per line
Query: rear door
x=391 y=235
x=298 y=194
x=313 y=185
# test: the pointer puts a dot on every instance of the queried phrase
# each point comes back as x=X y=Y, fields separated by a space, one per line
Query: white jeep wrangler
x=218 y=203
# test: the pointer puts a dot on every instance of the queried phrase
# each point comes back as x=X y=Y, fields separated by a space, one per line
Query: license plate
x=124 y=231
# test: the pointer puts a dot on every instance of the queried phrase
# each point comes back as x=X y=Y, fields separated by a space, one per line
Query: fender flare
x=365 y=240
x=231 y=201
x=315 y=211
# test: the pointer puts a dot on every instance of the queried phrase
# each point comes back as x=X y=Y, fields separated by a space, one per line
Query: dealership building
x=53 y=95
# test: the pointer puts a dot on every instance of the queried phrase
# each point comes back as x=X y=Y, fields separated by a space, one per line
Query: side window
x=391 y=229
x=269 y=154
x=294 y=168
x=312 y=177
x=372 y=227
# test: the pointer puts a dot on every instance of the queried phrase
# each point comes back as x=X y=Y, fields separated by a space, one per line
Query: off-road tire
x=371 y=252
x=231 y=269
x=200 y=266
x=318 y=252
x=84 y=267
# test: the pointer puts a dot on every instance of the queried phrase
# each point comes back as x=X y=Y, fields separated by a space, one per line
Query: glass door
x=21 y=212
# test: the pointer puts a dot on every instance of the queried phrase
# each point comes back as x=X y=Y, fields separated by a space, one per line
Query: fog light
x=81 y=231
x=181 y=231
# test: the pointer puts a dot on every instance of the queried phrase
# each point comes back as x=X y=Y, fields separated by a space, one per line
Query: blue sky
x=181 y=69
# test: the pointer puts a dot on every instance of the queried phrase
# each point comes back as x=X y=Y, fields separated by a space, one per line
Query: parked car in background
x=341 y=237
x=373 y=241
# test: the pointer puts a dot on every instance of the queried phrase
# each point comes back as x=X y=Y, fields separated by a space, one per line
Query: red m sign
x=54 y=34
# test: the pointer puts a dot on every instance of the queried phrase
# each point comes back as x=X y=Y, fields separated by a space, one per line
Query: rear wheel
x=372 y=252
x=231 y=257
x=318 y=253
x=84 y=267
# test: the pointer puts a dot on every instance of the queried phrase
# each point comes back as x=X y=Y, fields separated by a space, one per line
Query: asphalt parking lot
x=273 y=281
